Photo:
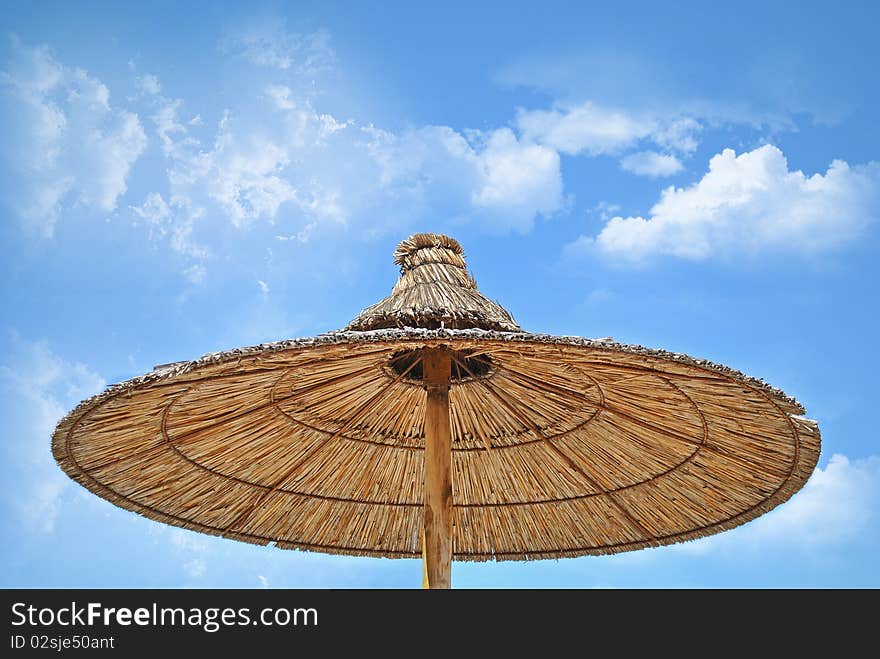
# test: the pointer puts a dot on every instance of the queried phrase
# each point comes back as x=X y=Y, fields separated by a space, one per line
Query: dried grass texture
x=434 y=291
x=568 y=447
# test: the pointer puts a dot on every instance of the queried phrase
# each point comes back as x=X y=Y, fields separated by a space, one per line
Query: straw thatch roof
x=434 y=291
x=565 y=447
x=561 y=446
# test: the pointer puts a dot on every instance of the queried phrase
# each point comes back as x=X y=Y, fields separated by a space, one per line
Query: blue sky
x=178 y=180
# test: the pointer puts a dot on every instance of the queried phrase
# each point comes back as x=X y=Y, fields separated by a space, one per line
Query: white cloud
x=194 y=547
x=175 y=222
x=595 y=130
x=66 y=144
x=651 y=163
x=264 y=582
x=281 y=96
x=267 y=43
x=747 y=204
x=519 y=178
x=837 y=506
x=605 y=210
x=277 y=162
x=280 y=161
x=148 y=84
x=155 y=213
x=302 y=236
x=168 y=124
x=612 y=76
x=587 y=128
x=195 y=568
x=196 y=273
x=246 y=176
x=501 y=181
x=287 y=162
x=38 y=387
x=678 y=135
x=246 y=169
x=258 y=165
x=188 y=541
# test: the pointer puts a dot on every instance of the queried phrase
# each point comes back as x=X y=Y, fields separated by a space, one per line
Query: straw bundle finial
x=434 y=290
x=413 y=251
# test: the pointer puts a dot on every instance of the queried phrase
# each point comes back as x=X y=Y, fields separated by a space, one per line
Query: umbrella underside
x=560 y=446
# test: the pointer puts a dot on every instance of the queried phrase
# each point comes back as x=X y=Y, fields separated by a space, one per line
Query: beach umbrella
x=434 y=425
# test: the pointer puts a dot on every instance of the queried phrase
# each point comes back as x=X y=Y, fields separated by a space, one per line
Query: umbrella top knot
x=434 y=291
x=423 y=248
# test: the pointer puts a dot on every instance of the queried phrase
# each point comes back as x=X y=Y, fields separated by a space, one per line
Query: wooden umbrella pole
x=437 y=542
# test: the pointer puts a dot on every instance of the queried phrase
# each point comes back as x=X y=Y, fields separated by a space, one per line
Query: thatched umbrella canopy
x=433 y=422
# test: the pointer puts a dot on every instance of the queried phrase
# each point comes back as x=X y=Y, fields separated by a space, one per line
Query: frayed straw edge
x=808 y=455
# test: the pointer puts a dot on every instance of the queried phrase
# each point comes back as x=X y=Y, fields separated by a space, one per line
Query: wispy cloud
x=282 y=161
x=194 y=548
x=610 y=76
x=195 y=568
x=586 y=128
x=651 y=163
x=593 y=129
x=266 y=41
x=590 y=129
x=67 y=145
x=39 y=387
x=285 y=163
x=501 y=181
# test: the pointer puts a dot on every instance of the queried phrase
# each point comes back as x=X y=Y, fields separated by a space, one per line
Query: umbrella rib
x=607 y=406
x=322 y=384
x=650 y=371
x=235 y=417
x=272 y=402
x=310 y=452
x=157 y=513
x=537 y=431
x=702 y=443
x=624 y=367
x=546 y=386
